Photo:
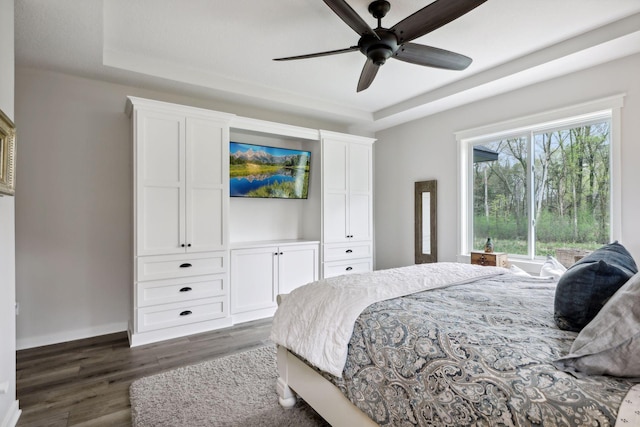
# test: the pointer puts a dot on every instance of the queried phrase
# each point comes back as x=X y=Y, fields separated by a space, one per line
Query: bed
x=443 y=344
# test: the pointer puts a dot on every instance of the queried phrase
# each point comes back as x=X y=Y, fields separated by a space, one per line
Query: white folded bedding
x=316 y=320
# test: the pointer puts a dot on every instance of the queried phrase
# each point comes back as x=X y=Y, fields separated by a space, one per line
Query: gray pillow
x=610 y=343
x=587 y=285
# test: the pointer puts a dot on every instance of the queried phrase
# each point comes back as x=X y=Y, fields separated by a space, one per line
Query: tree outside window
x=543 y=189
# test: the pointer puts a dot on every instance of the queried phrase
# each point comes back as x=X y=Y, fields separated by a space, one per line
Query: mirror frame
x=420 y=188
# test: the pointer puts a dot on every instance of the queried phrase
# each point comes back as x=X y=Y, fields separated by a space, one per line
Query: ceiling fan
x=380 y=44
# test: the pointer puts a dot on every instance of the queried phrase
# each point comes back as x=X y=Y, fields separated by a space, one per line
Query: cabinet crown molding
x=167 y=107
x=243 y=123
x=356 y=139
x=279 y=129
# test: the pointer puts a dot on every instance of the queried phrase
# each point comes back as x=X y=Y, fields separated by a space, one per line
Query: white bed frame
x=296 y=378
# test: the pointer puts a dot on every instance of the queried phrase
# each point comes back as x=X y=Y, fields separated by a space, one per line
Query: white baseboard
x=12 y=416
x=39 y=341
x=143 y=338
x=253 y=315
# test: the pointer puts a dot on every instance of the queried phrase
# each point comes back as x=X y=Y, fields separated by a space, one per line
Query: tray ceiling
x=224 y=50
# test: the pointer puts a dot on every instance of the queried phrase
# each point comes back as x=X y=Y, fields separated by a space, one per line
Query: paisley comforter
x=472 y=354
x=315 y=321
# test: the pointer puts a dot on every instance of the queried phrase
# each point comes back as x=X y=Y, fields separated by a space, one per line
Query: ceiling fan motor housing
x=376 y=50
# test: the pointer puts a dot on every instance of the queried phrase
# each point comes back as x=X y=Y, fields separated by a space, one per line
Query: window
x=539 y=187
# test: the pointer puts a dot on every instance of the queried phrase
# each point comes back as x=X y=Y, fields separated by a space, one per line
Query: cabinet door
x=297 y=266
x=360 y=217
x=160 y=183
x=334 y=217
x=360 y=206
x=335 y=203
x=253 y=279
x=360 y=169
x=206 y=185
x=334 y=166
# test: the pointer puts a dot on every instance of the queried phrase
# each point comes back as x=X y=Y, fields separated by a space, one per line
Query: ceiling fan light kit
x=381 y=43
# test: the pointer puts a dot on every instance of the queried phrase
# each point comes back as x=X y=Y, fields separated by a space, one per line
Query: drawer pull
x=186 y=289
x=348 y=251
x=185 y=313
x=185 y=265
x=349 y=268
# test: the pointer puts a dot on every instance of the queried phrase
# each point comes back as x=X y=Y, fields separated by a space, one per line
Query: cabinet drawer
x=168 y=315
x=332 y=269
x=336 y=252
x=495 y=259
x=176 y=290
x=183 y=265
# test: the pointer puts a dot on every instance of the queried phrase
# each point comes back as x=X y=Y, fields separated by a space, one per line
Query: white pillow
x=552 y=268
x=518 y=271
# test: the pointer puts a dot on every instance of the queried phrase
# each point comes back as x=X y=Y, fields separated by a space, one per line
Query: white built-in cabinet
x=189 y=274
x=182 y=183
x=347 y=204
x=262 y=270
x=181 y=192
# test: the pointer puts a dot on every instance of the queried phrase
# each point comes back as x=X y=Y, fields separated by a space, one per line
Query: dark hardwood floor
x=86 y=382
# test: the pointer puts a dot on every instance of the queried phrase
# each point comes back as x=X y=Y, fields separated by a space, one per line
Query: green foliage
x=552 y=232
x=570 y=196
x=246 y=169
x=519 y=247
x=284 y=189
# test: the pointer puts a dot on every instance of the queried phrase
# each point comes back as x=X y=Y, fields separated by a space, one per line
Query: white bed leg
x=287 y=397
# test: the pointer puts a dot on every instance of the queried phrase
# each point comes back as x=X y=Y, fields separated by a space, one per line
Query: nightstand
x=495 y=259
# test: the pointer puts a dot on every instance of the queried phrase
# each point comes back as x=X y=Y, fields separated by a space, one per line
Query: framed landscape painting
x=260 y=171
x=7 y=155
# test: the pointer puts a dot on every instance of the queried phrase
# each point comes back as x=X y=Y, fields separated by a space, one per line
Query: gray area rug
x=236 y=390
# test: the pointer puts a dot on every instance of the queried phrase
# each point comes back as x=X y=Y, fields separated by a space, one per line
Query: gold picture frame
x=7 y=155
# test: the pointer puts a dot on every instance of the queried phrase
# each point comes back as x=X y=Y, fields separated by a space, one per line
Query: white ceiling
x=223 y=49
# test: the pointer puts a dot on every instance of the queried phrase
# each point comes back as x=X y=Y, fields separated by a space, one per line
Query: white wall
x=8 y=404
x=74 y=213
x=426 y=149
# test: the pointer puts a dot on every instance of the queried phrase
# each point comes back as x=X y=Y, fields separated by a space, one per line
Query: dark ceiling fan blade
x=431 y=57
x=315 y=55
x=351 y=17
x=368 y=74
x=432 y=17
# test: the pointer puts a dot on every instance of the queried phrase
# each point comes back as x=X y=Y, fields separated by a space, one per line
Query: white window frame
x=606 y=108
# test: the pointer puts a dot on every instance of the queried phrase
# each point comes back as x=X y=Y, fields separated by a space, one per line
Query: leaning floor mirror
x=426 y=239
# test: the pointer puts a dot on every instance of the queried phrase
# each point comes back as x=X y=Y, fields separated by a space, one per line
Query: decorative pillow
x=518 y=271
x=587 y=285
x=610 y=343
x=552 y=268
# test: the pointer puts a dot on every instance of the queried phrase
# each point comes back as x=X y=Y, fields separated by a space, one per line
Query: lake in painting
x=268 y=172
